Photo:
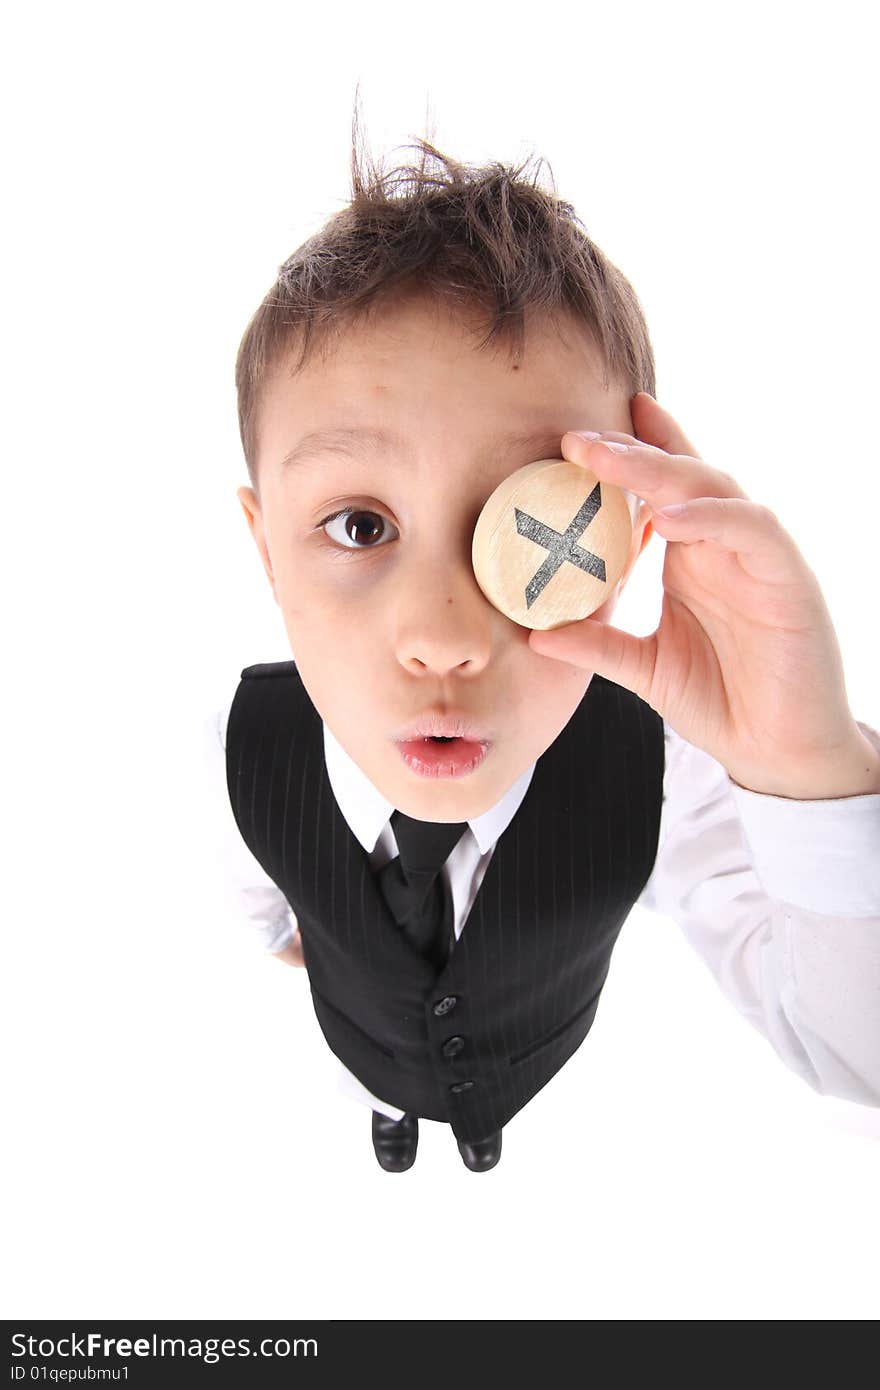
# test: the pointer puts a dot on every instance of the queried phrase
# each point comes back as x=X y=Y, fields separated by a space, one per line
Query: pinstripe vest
x=520 y=990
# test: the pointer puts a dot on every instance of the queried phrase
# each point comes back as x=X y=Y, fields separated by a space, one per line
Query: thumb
x=594 y=646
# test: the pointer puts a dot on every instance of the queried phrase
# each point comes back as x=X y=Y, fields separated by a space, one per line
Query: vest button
x=452 y=1047
x=462 y=1086
x=443 y=1005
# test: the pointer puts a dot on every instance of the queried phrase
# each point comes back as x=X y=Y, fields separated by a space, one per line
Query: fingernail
x=586 y=434
x=613 y=444
x=675 y=510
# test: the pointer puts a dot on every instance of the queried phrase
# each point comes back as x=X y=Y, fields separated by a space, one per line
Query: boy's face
x=385 y=618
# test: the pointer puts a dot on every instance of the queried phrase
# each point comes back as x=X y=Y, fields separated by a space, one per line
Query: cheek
x=331 y=628
x=314 y=596
x=549 y=692
x=334 y=634
x=336 y=656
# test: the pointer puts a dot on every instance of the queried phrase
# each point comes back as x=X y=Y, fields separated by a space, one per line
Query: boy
x=456 y=903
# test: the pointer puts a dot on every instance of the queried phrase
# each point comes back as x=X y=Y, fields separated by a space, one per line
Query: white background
x=175 y=1144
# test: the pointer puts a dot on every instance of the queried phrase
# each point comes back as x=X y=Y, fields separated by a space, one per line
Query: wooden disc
x=550 y=543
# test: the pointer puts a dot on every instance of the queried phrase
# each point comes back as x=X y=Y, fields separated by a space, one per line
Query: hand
x=745 y=661
x=292 y=953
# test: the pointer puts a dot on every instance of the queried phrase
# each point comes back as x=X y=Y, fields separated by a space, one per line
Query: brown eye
x=362 y=526
x=356 y=530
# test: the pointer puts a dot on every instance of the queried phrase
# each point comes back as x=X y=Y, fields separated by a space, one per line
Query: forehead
x=418 y=370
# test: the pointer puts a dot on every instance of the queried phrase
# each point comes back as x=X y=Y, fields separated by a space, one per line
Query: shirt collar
x=366 y=810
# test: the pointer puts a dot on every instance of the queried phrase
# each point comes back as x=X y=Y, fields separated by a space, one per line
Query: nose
x=443 y=621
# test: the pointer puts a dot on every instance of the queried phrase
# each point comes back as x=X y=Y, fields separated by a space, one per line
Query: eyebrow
x=354 y=443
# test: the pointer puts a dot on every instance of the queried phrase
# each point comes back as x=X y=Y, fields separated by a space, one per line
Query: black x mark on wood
x=562 y=545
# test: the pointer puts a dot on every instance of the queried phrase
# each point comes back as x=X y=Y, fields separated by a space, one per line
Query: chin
x=448 y=809
x=451 y=799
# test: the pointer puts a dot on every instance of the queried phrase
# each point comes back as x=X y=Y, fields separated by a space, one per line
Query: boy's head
x=372 y=334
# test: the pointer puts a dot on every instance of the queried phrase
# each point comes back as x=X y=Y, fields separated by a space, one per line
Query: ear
x=250 y=505
x=639 y=542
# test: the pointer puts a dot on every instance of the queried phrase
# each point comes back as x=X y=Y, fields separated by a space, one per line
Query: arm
x=773 y=875
x=781 y=899
x=258 y=899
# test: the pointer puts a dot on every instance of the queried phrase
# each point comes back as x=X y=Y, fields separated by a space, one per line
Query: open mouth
x=441 y=755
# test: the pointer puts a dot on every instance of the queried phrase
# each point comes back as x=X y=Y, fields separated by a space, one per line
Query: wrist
x=853 y=770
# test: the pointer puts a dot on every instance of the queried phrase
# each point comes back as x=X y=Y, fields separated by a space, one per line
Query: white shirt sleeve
x=781 y=899
x=255 y=894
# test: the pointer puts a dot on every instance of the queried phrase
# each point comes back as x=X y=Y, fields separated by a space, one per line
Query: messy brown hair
x=477 y=238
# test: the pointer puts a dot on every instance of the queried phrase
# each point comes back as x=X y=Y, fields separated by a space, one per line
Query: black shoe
x=482 y=1155
x=395 y=1141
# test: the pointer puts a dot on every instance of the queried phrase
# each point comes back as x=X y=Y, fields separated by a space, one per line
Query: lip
x=459 y=758
x=443 y=724
x=468 y=749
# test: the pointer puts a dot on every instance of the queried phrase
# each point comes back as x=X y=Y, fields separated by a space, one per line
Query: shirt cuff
x=276 y=935
x=819 y=855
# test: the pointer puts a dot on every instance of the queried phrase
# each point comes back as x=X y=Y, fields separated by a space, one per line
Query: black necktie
x=413 y=886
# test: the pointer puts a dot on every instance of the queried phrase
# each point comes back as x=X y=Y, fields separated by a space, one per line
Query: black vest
x=473 y=1044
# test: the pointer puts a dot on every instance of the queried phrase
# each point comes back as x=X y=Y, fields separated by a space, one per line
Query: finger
x=749 y=530
x=658 y=478
x=654 y=425
x=594 y=646
x=620 y=438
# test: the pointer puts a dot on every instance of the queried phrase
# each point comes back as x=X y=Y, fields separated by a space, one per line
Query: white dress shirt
x=780 y=898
